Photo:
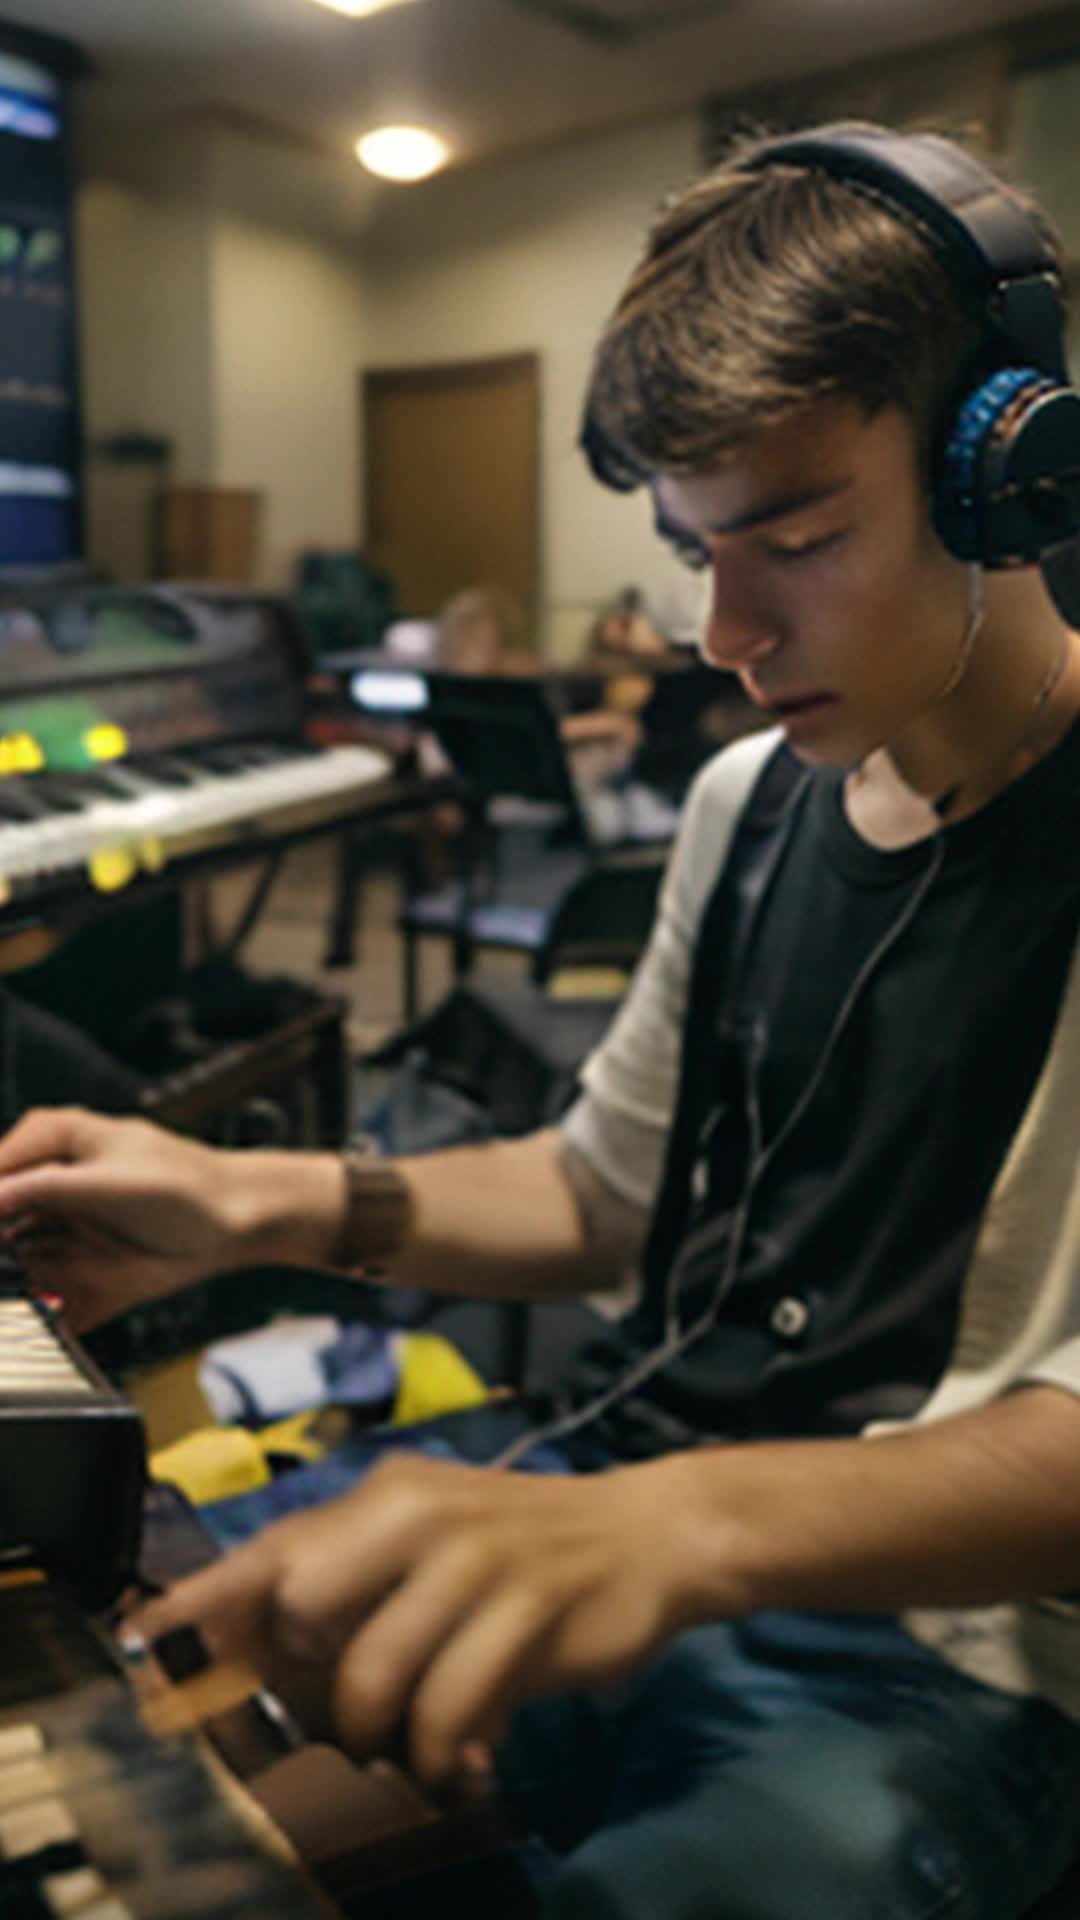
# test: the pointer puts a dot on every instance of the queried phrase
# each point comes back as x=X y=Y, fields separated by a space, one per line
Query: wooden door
x=451 y=456
x=208 y=533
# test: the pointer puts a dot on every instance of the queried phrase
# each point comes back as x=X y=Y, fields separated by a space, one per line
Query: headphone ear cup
x=1008 y=479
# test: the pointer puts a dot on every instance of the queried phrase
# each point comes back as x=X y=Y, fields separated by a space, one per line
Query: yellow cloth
x=213 y=1463
x=434 y=1379
x=299 y=1436
x=216 y=1463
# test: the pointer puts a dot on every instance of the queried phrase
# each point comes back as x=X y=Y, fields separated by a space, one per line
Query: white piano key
x=45 y=1823
x=21 y=1742
x=72 y=1893
x=26 y=1361
x=23 y=1780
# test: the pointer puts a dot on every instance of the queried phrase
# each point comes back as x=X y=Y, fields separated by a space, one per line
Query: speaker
x=1006 y=485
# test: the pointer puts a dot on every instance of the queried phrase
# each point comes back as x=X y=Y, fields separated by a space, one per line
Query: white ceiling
x=492 y=75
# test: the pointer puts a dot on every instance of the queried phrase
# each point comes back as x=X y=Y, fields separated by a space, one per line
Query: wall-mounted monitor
x=40 y=425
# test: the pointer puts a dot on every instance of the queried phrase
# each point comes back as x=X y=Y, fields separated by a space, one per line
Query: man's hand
x=436 y=1599
x=113 y=1212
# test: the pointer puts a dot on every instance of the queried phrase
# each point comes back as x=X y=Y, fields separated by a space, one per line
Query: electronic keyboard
x=144 y=728
x=72 y=1453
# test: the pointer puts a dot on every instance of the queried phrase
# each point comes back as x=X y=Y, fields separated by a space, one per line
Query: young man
x=789 y=1652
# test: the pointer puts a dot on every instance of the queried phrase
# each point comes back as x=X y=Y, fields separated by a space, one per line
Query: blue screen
x=28 y=115
x=39 y=427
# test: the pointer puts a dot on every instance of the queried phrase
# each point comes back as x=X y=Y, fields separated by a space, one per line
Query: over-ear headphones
x=1007 y=467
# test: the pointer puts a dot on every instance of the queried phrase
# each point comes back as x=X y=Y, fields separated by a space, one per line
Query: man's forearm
x=965 y=1512
x=502 y=1220
x=498 y=1220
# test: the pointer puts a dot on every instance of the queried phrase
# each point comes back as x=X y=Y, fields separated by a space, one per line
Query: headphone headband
x=993 y=248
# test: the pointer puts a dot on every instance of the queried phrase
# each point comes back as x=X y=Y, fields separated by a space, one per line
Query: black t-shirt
x=938 y=970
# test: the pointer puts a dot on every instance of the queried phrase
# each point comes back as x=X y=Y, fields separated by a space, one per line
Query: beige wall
x=288 y=342
x=1044 y=142
x=529 y=256
x=145 y=291
x=1044 y=155
x=232 y=333
x=144 y=274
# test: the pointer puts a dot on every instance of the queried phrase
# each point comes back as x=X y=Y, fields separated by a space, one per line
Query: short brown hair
x=758 y=293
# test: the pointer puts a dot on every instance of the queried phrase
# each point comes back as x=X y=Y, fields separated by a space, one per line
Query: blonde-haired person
x=481 y=631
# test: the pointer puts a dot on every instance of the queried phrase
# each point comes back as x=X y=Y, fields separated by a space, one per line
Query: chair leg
x=514 y=1327
x=341 y=941
x=410 y=982
x=463 y=953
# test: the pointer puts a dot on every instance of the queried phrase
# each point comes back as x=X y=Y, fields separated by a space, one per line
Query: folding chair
x=527 y=839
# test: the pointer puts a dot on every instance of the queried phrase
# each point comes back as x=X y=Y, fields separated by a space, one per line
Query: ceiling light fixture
x=358 y=8
x=402 y=153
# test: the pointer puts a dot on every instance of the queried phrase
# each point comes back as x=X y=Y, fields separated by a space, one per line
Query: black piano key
x=299 y=749
x=29 y=1869
x=95 y=783
x=165 y=769
x=182 y=1653
x=18 y=802
x=113 y=783
x=12 y=1271
x=219 y=758
x=53 y=790
x=276 y=753
x=22 y=1901
x=243 y=756
x=61 y=792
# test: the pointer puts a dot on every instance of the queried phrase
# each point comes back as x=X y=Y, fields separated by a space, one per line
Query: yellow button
x=112 y=868
x=152 y=855
x=26 y=754
x=105 y=742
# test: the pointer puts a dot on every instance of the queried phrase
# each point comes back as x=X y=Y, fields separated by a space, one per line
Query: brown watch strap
x=378 y=1210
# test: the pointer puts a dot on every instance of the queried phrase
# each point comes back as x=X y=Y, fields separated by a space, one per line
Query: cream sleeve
x=619 y=1123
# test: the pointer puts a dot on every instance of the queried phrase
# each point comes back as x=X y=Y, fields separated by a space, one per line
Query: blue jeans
x=798 y=1767
x=785 y=1767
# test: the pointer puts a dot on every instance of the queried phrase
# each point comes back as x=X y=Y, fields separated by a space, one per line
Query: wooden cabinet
x=207 y=533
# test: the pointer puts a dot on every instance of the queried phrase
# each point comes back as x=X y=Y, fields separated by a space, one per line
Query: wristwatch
x=378 y=1208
